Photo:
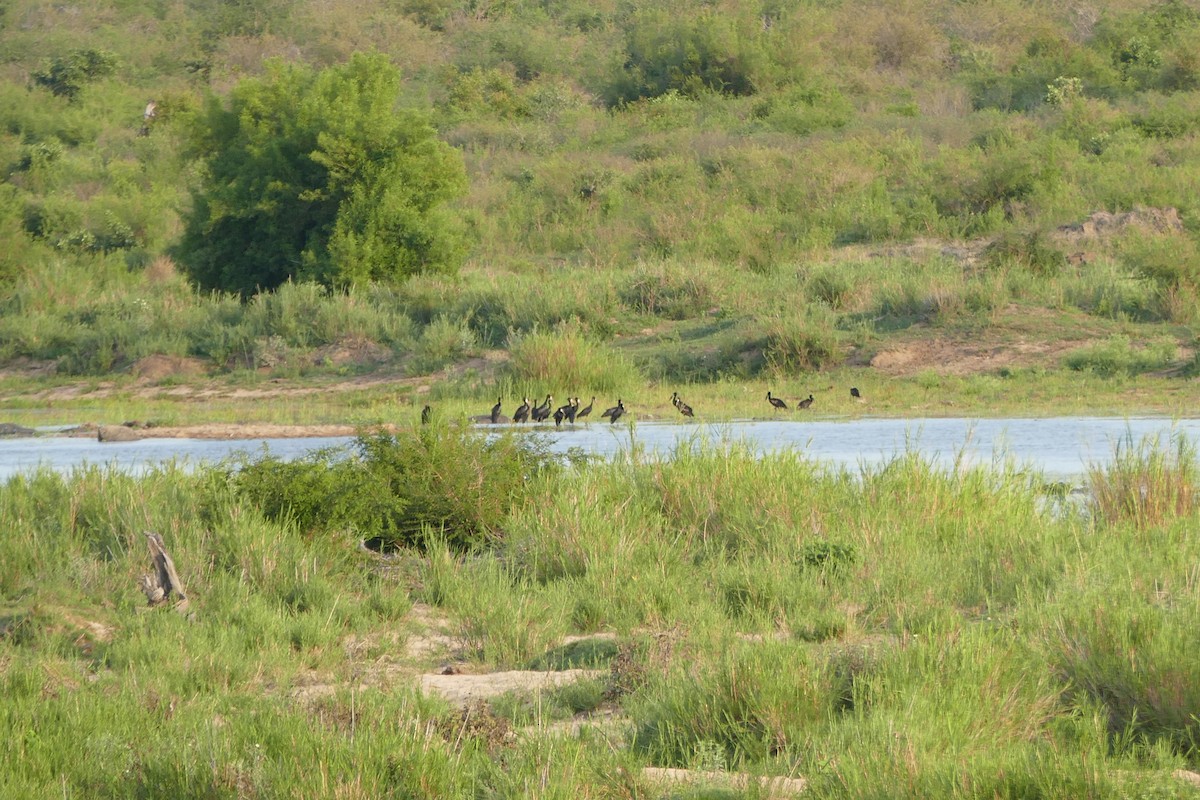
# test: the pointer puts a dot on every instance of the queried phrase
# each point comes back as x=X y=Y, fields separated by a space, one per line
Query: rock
x=11 y=429
x=116 y=433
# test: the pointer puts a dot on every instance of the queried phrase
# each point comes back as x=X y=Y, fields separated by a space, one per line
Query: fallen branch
x=165 y=580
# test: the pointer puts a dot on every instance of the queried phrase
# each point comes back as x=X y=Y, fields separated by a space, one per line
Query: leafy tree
x=318 y=176
x=66 y=75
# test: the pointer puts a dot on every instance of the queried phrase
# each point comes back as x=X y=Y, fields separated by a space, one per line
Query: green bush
x=668 y=290
x=567 y=360
x=689 y=54
x=315 y=176
x=801 y=342
x=1118 y=356
x=65 y=76
x=393 y=490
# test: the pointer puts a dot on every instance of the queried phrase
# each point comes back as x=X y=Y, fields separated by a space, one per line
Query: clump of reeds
x=1147 y=483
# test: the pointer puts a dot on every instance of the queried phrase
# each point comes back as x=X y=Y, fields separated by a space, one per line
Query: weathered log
x=165 y=581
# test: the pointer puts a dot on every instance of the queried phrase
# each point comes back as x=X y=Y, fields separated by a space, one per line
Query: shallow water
x=1061 y=447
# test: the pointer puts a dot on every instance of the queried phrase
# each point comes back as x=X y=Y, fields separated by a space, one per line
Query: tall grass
x=1148 y=483
x=905 y=629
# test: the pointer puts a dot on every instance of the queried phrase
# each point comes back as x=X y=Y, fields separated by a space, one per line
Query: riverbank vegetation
x=697 y=194
x=905 y=630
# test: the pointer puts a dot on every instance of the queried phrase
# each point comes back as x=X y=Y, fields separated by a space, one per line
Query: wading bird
x=683 y=407
x=805 y=403
x=522 y=412
x=608 y=412
x=572 y=408
x=542 y=412
x=775 y=401
x=615 y=412
x=855 y=393
x=496 y=411
x=586 y=410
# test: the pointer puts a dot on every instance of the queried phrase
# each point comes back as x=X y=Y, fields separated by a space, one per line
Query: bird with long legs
x=522 y=412
x=776 y=402
x=615 y=412
x=496 y=410
x=586 y=410
x=683 y=407
x=806 y=402
x=572 y=408
x=542 y=412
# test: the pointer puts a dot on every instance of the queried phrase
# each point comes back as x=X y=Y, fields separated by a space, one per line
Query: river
x=1061 y=447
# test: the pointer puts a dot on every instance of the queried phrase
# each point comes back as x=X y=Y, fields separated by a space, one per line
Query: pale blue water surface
x=1061 y=447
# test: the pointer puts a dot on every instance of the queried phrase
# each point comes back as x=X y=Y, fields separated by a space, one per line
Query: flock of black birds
x=572 y=413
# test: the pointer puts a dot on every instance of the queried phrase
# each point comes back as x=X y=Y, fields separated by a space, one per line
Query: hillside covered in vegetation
x=688 y=191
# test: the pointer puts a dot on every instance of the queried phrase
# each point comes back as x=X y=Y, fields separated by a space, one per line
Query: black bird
x=572 y=408
x=855 y=393
x=617 y=411
x=522 y=412
x=805 y=403
x=608 y=412
x=542 y=412
x=586 y=410
x=559 y=415
x=426 y=415
x=775 y=401
x=496 y=411
x=683 y=407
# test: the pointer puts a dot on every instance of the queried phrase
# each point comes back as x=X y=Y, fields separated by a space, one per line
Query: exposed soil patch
x=779 y=787
x=460 y=689
x=352 y=351
x=955 y=357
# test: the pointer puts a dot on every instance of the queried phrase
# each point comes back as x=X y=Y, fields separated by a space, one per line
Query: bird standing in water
x=586 y=410
x=522 y=412
x=615 y=412
x=542 y=412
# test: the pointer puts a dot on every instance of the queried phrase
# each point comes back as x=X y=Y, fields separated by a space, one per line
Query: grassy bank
x=903 y=631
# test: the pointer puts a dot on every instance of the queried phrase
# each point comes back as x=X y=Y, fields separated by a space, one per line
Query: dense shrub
x=394 y=489
x=567 y=360
x=709 y=52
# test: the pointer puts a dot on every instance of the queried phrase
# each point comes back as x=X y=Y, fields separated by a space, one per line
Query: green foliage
x=1118 y=356
x=691 y=55
x=669 y=290
x=316 y=176
x=396 y=490
x=65 y=76
x=570 y=361
x=1148 y=483
x=1032 y=251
